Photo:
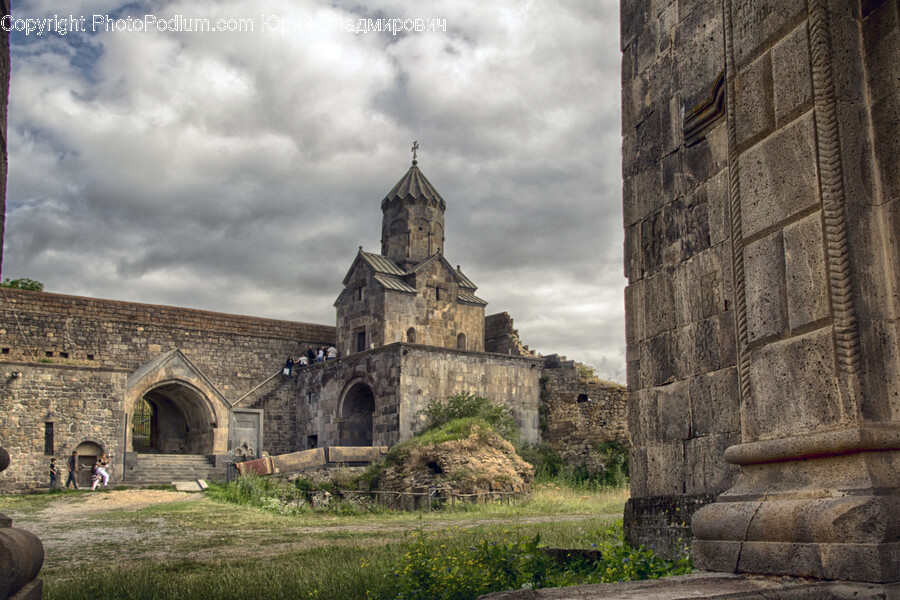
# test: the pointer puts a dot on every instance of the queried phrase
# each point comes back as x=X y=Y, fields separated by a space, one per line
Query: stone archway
x=180 y=421
x=357 y=416
x=187 y=414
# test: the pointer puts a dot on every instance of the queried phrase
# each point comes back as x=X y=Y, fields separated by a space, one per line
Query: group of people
x=320 y=355
x=98 y=472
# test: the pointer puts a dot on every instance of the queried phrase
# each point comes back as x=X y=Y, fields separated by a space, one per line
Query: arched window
x=411 y=335
x=461 y=341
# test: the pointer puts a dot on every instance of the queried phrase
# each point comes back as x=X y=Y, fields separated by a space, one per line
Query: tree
x=23 y=284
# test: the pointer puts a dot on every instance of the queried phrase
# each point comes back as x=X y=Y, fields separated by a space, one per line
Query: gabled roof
x=470 y=299
x=461 y=279
x=394 y=283
x=414 y=185
x=379 y=264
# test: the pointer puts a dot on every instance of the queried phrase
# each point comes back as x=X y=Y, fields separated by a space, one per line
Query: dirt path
x=71 y=524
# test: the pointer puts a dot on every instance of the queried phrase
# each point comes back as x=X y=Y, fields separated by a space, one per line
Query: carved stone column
x=21 y=557
x=814 y=198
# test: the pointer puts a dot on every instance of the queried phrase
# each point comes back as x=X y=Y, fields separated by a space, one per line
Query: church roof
x=414 y=185
x=382 y=264
x=394 y=283
x=461 y=279
x=470 y=299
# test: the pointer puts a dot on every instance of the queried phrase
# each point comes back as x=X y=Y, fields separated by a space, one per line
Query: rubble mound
x=476 y=465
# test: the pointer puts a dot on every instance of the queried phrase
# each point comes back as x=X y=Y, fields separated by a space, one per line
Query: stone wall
x=761 y=213
x=81 y=404
x=235 y=352
x=403 y=378
x=502 y=338
x=75 y=355
x=682 y=378
x=580 y=412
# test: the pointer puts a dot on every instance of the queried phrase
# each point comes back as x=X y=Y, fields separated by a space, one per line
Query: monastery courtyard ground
x=133 y=529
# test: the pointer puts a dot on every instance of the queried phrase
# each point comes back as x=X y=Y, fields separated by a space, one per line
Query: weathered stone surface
x=764 y=267
x=759 y=23
x=754 y=100
x=715 y=403
x=791 y=69
x=794 y=389
x=806 y=277
x=779 y=176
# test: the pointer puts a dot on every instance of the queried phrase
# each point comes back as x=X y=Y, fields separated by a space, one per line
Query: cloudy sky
x=239 y=171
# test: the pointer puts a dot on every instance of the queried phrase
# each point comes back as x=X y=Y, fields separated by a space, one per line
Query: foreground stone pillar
x=813 y=102
x=21 y=557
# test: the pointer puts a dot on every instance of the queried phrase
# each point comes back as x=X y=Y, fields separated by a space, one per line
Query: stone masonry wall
x=403 y=378
x=84 y=404
x=680 y=324
x=75 y=355
x=502 y=338
x=235 y=352
x=579 y=413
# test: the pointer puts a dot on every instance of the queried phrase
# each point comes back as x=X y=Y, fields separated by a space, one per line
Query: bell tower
x=412 y=226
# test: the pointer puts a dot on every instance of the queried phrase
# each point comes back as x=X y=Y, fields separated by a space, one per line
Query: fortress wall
x=235 y=352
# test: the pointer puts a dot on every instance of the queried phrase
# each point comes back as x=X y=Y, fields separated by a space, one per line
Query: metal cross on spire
x=414 y=148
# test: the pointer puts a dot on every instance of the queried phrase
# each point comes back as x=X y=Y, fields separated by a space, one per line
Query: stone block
x=793 y=387
x=635 y=313
x=847 y=64
x=673 y=404
x=633 y=266
x=872 y=291
x=632 y=20
x=699 y=39
x=754 y=101
x=699 y=163
x=758 y=24
x=706 y=470
x=643 y=419
x=792 y=76
x=665 y=469
x=715 y=403
x=805 y=273
x=657 y=364
x=880 y=401
x=881 y=35
x=779 y=177
x=658 y=304
x=717 y=197
x=765 y=287
x=885 y=116
x=637 y=466
x=644 y=196
x=856 y=155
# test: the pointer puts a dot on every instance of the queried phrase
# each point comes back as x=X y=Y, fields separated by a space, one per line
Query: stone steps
x=166 y=468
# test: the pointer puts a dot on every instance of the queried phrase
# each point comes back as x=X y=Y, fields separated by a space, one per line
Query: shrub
x=444 y=569
x=468 y=406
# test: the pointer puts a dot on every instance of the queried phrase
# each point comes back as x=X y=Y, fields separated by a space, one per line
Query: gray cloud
x=239 y=172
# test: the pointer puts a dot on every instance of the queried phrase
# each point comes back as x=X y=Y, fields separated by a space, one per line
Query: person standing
x=289 y=367
x=73 y=470
x=320 y=355
x=54 y=474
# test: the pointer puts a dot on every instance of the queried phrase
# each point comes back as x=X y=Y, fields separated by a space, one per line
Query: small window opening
x=583 y=398
x=64 y=355
x=411 y=335
x=4 y=351
x=48 y=439
x=312 y=441
x=48 y=354
x=434 y=468
x=90 y=357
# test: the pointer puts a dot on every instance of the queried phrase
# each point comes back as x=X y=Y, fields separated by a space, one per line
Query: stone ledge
x=715 y=586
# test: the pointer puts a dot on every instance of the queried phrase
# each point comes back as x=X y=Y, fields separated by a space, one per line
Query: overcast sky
x=239 y=172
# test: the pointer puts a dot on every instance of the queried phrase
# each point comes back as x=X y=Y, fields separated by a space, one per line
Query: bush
x=23 y=284
x=443 y=569
x=550 y=467
x=468 y=406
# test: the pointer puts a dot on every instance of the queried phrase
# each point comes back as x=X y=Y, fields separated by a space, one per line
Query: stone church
x=175 y=393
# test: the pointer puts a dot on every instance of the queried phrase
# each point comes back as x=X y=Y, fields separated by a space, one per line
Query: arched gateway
x=171 y=408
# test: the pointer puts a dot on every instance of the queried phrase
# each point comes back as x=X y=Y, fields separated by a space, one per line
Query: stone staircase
x=166 y=468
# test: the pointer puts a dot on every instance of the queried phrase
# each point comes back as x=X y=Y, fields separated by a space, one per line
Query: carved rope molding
x=737 y=230
x=831 y=181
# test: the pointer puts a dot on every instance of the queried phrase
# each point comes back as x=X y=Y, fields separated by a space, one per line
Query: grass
x=205 y=548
